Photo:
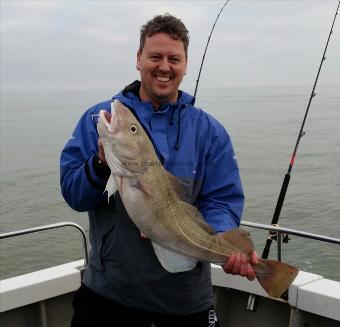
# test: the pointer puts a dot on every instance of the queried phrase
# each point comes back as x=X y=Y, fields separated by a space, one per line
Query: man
x=125 y=284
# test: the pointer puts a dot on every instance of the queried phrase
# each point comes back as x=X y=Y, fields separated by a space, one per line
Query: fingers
x=251 y=275
x=101 y=153
x=238 y=264
x=228 y=266
x=244 y=266
x=254 y=258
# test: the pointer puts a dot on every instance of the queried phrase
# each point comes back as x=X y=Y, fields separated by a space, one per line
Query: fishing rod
x=206 y=48
x=253 y=299
x=286 y=179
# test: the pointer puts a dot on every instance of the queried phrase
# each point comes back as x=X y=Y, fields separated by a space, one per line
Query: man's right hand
x=101 y=153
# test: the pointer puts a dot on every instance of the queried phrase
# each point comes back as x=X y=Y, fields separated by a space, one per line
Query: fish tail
x=238 y=240
x=275 y=277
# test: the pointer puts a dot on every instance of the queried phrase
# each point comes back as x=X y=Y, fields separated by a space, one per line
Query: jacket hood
x=130 y=98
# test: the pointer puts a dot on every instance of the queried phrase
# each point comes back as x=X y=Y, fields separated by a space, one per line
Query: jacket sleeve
x=221 y=197
x=81 y=188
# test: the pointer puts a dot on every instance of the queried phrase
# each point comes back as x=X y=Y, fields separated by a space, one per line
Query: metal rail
x=292 y=232
x=276 y=232
x=279 y=233
x=48 y=227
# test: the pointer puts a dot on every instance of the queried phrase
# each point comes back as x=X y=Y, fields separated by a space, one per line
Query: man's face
x=162 y=65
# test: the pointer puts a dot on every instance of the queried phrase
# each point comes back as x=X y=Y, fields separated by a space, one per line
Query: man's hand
x=237 y=264
x=101 y=153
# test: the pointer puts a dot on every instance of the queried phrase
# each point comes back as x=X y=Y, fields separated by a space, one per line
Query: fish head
x=126 y=144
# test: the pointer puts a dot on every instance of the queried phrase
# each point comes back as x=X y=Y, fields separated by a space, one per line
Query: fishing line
x=286 y=179
x=206 y=48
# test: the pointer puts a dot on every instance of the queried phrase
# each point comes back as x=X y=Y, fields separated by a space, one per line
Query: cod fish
x=154 y=201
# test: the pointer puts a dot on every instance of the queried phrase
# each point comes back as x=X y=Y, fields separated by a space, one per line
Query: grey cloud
x=94 y=44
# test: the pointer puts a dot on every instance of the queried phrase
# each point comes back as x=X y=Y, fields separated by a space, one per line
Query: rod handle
x=277 y=213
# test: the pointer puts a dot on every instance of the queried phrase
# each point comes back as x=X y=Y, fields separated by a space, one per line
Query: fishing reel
x=274 y=235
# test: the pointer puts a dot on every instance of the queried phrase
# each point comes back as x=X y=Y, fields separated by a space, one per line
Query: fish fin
x=111 y=186
x=176 y=185
x=172 y=261
x=275 y=277
x=197 y=217
x=239 y=239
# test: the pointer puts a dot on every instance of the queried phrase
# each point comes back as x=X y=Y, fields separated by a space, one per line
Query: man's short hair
x=165 y=24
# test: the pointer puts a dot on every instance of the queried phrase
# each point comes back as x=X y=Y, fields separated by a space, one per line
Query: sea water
x=263 y=124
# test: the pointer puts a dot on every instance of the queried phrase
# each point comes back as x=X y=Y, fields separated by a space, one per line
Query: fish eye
x=133 y=129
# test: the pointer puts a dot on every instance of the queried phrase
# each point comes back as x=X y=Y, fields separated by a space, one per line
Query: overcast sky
x=93 y=44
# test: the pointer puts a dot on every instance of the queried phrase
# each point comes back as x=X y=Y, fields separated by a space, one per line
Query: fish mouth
x=113 y=118
x=110 y=120
x=105 y=118
x=108 y=127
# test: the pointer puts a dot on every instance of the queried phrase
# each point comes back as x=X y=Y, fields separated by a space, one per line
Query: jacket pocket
x=102 y=225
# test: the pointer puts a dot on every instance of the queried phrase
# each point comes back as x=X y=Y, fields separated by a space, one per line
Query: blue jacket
x=194 y=147
x=204 y=161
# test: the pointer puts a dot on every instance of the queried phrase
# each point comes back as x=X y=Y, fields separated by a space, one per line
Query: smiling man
x=124 y=284
x=162 y=62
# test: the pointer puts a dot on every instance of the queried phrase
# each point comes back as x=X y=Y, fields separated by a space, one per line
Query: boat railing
x=280 y=234
x=49 y=227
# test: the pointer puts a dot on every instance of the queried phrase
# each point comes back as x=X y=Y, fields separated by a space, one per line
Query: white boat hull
x=44 y=298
